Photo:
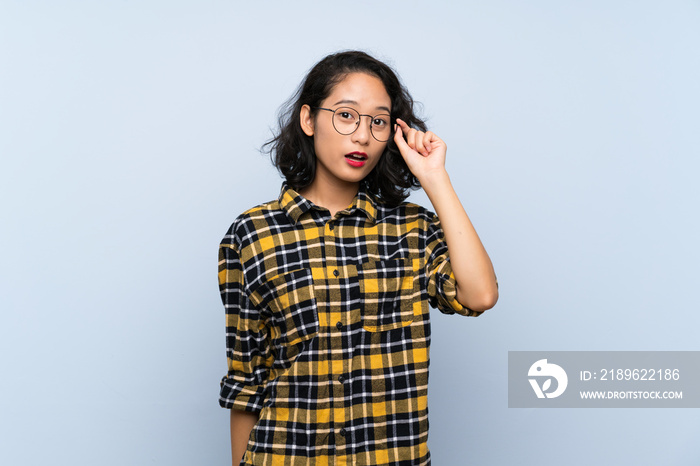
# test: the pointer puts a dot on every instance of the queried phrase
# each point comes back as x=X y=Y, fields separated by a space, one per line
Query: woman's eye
x=345 y=115
x=380 y=122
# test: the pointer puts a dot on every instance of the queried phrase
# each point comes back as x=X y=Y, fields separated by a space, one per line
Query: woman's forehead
x=360 y=90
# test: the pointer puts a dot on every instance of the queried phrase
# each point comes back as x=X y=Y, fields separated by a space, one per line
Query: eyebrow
x=345 y=101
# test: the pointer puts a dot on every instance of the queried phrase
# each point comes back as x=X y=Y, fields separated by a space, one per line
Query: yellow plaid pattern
x=328 y=329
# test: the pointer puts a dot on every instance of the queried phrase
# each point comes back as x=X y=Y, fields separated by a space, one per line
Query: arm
x=424 y=154
x=242 y=392
x=242 y=423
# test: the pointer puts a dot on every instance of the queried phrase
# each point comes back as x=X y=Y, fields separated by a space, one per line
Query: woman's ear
x=307 y=120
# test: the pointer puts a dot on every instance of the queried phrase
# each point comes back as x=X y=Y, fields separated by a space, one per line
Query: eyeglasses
x=346 y=120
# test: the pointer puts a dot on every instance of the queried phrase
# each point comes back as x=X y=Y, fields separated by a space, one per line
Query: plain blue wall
x=129 y=134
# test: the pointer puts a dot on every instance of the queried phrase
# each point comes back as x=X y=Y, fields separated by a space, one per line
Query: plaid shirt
x=328 y=329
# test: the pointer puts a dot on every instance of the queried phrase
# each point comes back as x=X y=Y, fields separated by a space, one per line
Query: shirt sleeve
x=247 y=339
x=442 y=286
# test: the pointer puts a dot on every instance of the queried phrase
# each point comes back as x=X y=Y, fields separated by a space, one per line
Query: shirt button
x=336 y=273
x=343 y=432
x=339 y=325
x=341 y=379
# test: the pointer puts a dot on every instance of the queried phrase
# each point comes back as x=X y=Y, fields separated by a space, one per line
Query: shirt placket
x=337 y=274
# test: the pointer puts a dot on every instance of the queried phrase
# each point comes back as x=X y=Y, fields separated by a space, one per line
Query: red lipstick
x=356 y=159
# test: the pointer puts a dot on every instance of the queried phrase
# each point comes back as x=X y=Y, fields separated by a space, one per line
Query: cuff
x=243 y=397
x=443 y=296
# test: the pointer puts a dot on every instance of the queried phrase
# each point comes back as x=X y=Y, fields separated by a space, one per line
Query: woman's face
x=347 y=159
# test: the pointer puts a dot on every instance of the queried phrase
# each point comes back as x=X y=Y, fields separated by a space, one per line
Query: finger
x=411 y=138
x=408 y=133
x=403 y=125
x=420 y=143
x=400 y=141
x=429 y=138
x=415 y=139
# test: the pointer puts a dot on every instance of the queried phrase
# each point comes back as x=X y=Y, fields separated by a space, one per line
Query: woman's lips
x=356 y=159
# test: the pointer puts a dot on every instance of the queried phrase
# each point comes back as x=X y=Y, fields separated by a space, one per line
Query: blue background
x=129 y=136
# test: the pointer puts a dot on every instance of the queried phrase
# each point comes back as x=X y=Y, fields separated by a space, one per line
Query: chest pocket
x=288 y=306
x=389 y=292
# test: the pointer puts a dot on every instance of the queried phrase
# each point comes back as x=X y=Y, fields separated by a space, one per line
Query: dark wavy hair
x=292 y=151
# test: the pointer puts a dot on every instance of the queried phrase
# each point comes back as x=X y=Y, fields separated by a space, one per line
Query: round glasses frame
x=359 y=120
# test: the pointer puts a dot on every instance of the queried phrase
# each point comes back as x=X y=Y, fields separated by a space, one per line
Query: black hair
x=292 y=151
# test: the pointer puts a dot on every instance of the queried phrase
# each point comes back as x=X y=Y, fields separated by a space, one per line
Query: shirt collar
x=364 y=202
x=295 y=205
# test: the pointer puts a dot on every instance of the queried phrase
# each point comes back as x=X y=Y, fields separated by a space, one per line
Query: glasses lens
x=345 y=120
x=381 y=127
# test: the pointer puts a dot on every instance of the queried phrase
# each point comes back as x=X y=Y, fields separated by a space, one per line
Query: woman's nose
x=363 y=131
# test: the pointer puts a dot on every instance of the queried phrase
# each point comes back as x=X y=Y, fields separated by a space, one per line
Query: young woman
x=326 y=288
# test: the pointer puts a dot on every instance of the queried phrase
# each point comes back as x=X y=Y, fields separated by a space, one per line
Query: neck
x=332 y=196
